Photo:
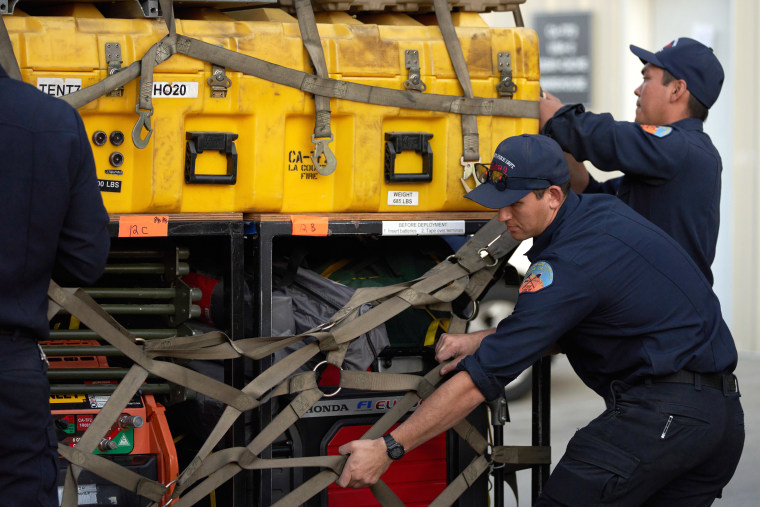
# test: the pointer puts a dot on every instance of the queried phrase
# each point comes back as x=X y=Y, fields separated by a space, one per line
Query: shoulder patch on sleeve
x=539 y=276
x=656 y=130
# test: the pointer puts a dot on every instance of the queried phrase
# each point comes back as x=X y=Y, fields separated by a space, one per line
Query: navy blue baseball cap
x=520 y=165
x=691 y=61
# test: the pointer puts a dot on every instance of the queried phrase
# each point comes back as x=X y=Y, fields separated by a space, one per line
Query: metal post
x=233 y=371
x=499 y=417
x=541 y=420
x=263 y=296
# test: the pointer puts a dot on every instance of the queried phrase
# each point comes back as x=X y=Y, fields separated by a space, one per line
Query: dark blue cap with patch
x=691 y=61
x=521 y=164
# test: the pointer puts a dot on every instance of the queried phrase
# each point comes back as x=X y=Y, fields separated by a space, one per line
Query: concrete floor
x=573 y=405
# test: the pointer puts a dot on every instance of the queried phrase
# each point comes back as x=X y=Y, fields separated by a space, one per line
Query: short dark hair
x=565 y=187
x=696 y=108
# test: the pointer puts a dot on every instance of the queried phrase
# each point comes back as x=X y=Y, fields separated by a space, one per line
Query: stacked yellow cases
x=248 y=147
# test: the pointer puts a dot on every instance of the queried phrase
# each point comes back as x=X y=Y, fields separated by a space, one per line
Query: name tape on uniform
x=428 y=228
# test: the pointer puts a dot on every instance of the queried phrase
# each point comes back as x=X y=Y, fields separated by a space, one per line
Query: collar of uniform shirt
x=690 y=124
x=543 y=240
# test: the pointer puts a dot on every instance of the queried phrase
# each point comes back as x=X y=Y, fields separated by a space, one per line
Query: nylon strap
x=322 y=133
x=352 y=91
x=523 y=456
x=7 y=57
x=110 y=471
x=99 y=427
x=385 y=495
x=470 y=149
x=222 y=467
x=319 y=86
x=95 y=318
x=230 y=414
x=463 y=481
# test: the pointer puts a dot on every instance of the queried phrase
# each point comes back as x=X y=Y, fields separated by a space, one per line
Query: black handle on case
x=395 y=143
x=198 y=142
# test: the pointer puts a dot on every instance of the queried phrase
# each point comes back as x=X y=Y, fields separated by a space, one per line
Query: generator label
x=432 y=228
x=356 y=406
x=99 y=401
x=175 y=90
x=403 y=198
x=67 y=398
x=109 y=185
x=87 y=493
x=58 y=86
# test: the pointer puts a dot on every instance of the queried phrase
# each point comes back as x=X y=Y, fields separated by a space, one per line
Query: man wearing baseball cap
x=639 y=323
x=671 y=170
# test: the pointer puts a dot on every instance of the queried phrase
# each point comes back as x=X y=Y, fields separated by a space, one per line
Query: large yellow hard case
x=250 y=150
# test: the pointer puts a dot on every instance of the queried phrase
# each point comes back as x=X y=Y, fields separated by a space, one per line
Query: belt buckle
x=728 y=386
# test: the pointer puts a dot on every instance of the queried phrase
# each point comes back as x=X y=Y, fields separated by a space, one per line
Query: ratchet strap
x=322 y=133
x=470 y=150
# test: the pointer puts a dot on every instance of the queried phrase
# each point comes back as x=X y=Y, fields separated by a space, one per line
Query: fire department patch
x=539 y=276
x=656 y=130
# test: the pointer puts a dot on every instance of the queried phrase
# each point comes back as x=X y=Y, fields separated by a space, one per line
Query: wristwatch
x=394 y=449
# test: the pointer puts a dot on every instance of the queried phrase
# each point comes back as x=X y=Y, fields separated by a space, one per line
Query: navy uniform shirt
x=672 y=172
x=52 y=220
x=622 y=298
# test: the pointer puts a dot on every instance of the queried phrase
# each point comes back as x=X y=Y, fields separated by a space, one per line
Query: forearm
x=578 y=174
x=448 y=405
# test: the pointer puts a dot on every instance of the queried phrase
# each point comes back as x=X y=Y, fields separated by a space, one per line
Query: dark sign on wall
x=565 y=55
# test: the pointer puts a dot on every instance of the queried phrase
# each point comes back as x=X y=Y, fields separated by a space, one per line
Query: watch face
x=396 y=451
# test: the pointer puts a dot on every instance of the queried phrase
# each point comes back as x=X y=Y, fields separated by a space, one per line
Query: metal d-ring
x=460 y=313
x=483 y=252
x=339 y=388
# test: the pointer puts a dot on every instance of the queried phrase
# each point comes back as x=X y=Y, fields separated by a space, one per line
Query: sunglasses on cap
x=501 y=181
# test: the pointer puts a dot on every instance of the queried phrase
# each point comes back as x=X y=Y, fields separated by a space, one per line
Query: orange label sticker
x=309 y=226
x=143 y=226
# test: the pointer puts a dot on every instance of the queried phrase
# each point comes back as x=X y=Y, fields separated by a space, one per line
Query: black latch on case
x=395 y=143
x=198 y=142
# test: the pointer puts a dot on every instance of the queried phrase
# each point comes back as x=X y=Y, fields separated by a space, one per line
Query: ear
x=677 y=90
x=555 y=196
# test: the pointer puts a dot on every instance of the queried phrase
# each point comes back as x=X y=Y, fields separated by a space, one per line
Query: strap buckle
x=142 y=121
x=321 y=147
x=468 y=171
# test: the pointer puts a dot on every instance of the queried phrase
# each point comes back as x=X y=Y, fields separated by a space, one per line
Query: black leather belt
x=724 y=381
x=15 y=331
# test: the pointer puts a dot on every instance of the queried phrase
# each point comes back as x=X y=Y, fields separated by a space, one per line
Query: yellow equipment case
x=225 y=141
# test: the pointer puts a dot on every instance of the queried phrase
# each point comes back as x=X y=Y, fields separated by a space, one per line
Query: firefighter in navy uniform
x=639 y=323
x=672 y=171
x=53 y=224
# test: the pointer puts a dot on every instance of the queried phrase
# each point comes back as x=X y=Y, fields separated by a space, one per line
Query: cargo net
x=465 y=274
